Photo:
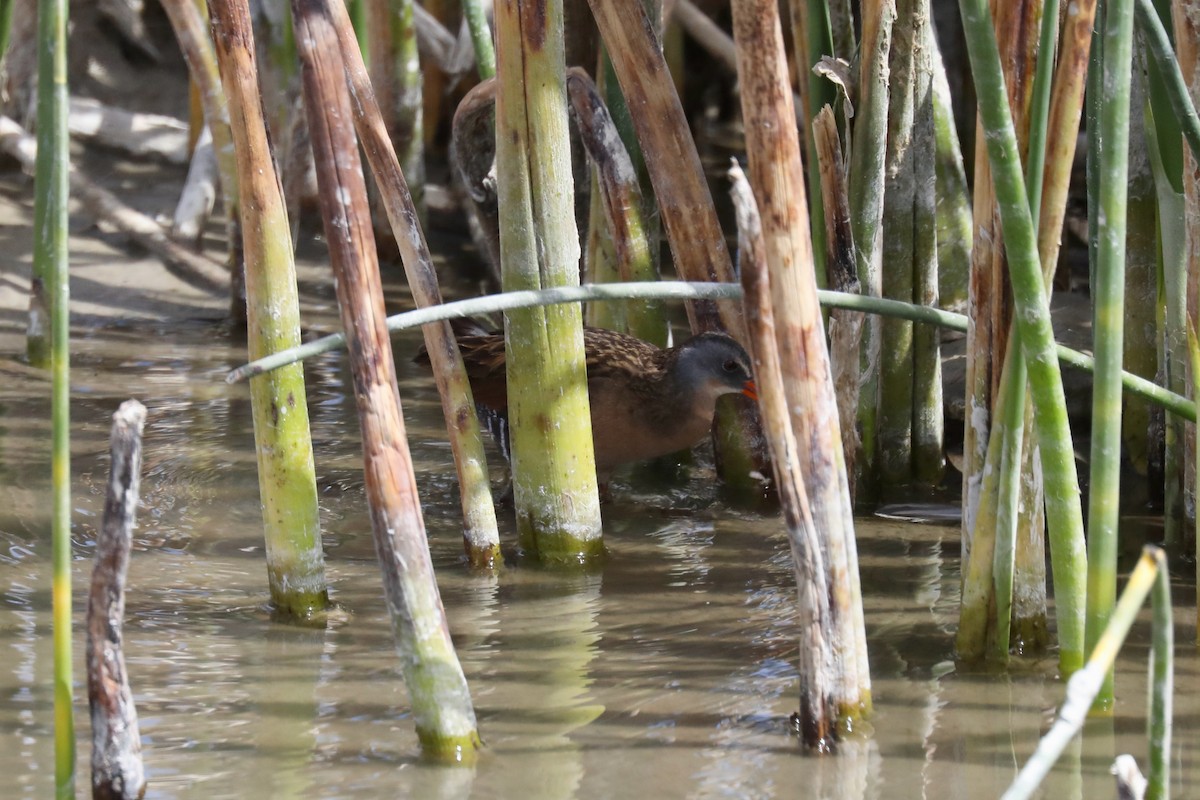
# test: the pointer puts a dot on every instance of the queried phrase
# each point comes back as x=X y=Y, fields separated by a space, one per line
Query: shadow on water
x=670 y=672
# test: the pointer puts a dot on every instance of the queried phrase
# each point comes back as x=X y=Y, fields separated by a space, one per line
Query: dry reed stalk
x=188 y=22
x=707 y=33
x=773 y=147
x=480 y=535
x=117 y=772
x=396 y=78
x=442 y=710
x=845 y=327
x=988 y=304
x=622 y=203
x=817 y=718
x=697 y=241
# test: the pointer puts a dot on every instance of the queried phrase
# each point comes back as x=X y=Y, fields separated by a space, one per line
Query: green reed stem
x=683 y=290
x=1162 y=687
x=1085 y=684
x=1064 y=512
x=1108 y=295
x=1159 y=44
x=6 y=11
x=554 y=475
x=481 y=38
x=1011 y=427
x=50 y=261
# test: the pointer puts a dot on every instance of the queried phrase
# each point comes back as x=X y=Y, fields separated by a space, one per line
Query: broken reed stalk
x=396 y=78
x=50 y=296
x=198 y=197
x=817 y=719
x=845 y=327
x=773 y=148
x=894 y=443
x=1150 y=575
x=441 y=701
x=1063 y=509
x=620 y=194
x=187 y=20
x=867 y=157
x=192 y=34
x=686 y=205
x=481 y=537
x=287 y=481
x=1108 y=298
x=116 y=745
x=554 y=469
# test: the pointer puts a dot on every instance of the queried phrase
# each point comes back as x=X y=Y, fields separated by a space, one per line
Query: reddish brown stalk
x=480 y=536
x=690 y=219
x=442 y=710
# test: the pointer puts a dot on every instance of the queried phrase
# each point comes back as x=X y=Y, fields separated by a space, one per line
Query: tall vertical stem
x=50 y=265
x=1063 y=509
x=554 y=470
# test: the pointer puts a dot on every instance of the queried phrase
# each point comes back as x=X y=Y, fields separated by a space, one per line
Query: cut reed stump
x=481 y=539
x=442 y=710
x=116 y=745
x=286 y=471
x=554 y=468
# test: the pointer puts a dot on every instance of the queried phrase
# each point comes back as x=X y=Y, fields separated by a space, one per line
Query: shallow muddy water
x=668 y=671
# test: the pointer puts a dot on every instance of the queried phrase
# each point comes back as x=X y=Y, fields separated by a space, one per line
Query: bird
x=646 y=401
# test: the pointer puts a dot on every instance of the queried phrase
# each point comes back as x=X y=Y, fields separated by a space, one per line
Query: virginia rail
x=646 y=401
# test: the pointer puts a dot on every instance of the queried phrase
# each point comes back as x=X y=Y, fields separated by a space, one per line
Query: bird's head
x=714 y=364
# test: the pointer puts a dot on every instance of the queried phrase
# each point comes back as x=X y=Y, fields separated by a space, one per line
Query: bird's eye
x=730 y=366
